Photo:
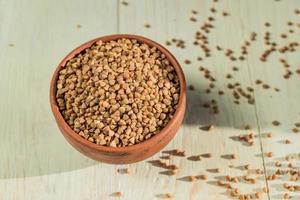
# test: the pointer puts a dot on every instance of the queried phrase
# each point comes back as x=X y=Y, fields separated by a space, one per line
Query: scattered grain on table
x=125 y=3
x=147 y=25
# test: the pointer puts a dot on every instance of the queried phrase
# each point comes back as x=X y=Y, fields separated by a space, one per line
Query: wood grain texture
x=37 y=163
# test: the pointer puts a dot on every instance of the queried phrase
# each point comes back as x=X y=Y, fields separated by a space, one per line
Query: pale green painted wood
x=37 y=163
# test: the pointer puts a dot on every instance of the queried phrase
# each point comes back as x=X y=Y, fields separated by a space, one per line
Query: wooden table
x=37 y=163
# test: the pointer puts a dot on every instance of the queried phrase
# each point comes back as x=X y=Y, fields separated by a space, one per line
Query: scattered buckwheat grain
x=117 y=194
x=125 y=3
x=147 y=25
x=269 y=154
x=276 y=123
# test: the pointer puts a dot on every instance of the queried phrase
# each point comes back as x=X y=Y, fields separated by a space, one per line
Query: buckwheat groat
x=118 y=93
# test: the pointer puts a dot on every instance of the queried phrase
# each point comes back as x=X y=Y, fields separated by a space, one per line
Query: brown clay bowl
x=121 y=155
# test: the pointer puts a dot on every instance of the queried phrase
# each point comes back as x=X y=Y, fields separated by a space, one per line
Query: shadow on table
x=36 y=150
x=198 y=115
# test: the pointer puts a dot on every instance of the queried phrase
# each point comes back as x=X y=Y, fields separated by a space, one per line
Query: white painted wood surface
x=37 y=163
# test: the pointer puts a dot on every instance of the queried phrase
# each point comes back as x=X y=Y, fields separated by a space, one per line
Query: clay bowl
x=121 y=155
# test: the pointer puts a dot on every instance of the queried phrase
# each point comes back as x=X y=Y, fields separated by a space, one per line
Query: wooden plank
x=35 y=160
x=172 y=19
x=281 y=106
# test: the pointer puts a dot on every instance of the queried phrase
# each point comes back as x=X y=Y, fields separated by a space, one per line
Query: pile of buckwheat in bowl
x=118 y=93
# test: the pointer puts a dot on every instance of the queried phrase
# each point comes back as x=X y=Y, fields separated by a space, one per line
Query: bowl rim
x=149 y=142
